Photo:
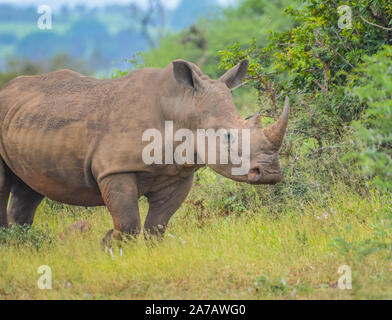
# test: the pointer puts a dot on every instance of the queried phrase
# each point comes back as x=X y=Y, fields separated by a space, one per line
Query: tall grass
x=231 y=247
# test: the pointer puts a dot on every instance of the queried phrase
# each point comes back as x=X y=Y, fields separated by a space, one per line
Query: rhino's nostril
x=255 y=171
x=254 y=174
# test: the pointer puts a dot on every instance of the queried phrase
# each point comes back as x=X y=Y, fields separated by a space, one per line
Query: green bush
x=374 y=132
x=313 y=62
x=25 y=235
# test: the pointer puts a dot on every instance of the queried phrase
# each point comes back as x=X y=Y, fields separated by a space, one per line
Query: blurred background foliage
x=100 y=35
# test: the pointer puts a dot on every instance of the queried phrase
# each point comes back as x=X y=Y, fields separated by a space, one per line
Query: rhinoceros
x=77 y=140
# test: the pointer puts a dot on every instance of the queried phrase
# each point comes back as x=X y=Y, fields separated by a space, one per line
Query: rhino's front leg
x=120 y=194
x=163 y=204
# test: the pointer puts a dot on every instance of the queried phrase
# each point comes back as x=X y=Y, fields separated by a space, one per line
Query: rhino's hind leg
x=24 y=201
x=5 y=188
x=120 y=194
x=163 y=204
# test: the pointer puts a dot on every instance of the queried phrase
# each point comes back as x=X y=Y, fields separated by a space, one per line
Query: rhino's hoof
x=114 y=235
x=107 y=239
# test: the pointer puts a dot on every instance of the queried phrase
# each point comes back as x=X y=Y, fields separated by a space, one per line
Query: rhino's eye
x=228 y=137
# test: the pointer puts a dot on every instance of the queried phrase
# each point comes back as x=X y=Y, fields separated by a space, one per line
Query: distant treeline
x=102 y=37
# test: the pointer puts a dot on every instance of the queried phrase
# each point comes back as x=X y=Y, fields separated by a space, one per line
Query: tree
x=314 y=61
x=374 y=132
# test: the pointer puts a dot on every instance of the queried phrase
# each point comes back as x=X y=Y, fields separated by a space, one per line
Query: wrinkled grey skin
x=78 y=140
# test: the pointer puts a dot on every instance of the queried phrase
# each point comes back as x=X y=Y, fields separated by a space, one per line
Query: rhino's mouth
x=258 y=175
x=268 y=179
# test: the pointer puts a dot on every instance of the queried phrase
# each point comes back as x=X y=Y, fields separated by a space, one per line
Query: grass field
x=209 y=253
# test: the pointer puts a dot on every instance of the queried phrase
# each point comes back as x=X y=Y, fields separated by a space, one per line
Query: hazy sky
x=55 y=4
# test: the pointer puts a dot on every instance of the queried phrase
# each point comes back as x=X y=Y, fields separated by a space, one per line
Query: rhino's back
x=50 y=126
x=62 y=95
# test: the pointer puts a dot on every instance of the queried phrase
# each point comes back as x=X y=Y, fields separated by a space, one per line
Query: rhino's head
x=202 y=103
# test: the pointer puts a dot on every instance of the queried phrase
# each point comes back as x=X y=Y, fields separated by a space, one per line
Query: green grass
x=209 y=253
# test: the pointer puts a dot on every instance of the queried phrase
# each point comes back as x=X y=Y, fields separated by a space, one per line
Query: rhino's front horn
x=275 y=132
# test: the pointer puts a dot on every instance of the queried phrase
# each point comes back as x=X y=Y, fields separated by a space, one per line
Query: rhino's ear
x=185 y=76
x=236 y=75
